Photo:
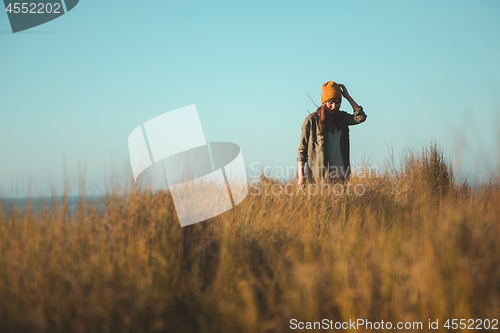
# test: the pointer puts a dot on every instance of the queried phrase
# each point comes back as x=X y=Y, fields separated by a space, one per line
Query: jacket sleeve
x=304 y=140
x=357 y=117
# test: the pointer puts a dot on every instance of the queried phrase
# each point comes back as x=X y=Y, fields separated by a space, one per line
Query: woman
x=324 y=141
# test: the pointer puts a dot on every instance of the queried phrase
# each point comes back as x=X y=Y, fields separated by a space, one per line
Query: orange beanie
x=330 y=90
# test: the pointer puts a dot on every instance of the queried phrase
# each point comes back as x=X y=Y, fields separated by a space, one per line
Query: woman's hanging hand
x=302 y=178
x=301 y=182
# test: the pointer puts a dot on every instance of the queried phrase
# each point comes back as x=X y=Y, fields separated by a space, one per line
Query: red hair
x=325 y=119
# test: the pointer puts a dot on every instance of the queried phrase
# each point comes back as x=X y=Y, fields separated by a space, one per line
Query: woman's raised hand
x=345 y=93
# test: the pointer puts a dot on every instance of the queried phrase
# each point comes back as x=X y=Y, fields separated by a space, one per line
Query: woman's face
x=333 y=104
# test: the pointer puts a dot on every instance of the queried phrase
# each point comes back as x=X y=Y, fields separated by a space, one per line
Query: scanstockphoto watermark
x=280 y=172
x=25 y=15
x=170 y=152
x=364 y=324
x=323 y=187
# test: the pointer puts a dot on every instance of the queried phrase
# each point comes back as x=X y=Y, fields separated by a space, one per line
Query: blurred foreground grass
x=417 y=245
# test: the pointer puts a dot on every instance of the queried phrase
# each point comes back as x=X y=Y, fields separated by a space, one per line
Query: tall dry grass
x=417 y=245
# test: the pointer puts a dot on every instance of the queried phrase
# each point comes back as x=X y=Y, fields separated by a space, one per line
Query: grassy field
x=417 y=244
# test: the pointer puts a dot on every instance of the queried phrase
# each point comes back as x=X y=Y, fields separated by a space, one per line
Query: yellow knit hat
x=331 y=90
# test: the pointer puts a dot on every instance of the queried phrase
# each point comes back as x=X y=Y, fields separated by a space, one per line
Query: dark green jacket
x=313 y=147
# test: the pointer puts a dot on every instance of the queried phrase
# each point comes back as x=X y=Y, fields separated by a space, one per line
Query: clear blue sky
x=73 y=89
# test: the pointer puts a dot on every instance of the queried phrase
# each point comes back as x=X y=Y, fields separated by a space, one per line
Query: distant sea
x=73 y=201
